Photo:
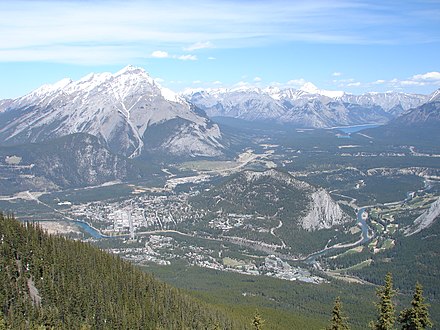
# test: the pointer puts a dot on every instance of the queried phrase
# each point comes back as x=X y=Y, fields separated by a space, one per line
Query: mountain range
x=304 y=107
x=132 y=115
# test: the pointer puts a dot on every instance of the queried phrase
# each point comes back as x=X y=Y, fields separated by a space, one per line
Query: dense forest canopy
x=58 y=283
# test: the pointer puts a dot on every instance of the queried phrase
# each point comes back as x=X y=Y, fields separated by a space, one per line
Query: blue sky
x=355 y=46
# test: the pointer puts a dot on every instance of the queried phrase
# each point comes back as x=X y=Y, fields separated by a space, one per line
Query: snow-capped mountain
x=391 y=102
x=120 y=109
x=307 y=106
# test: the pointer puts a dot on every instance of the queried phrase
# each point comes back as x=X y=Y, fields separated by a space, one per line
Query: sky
x=352 y=45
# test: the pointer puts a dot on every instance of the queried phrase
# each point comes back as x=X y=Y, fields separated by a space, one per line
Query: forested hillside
x=55 y=283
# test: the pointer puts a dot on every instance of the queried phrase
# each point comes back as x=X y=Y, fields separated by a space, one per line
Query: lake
x=355 y=128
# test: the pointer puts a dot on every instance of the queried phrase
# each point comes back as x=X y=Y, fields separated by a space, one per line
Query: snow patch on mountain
x=435 y=96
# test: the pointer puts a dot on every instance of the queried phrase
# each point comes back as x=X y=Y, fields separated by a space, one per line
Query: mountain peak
x=131 y=69
x=308 y=87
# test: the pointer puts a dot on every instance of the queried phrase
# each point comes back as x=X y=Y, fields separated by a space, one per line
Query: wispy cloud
x=187 y=57
x=431 y=79
x=163 y=54
x=199 y=45
x=81 y=31
x=423 y=79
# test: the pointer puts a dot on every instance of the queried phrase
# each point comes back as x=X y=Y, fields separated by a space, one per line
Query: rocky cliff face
x=425 y=220
x=323 y=212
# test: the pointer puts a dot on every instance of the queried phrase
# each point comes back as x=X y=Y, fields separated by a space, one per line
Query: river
x=90 y=230
x=364 y=239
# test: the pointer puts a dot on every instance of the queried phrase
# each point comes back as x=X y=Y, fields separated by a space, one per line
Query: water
x=89 y=230
x=355 y=128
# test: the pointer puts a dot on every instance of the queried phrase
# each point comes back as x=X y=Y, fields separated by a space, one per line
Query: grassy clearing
x=360 y=265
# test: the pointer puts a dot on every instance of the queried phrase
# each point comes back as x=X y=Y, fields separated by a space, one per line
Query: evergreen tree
x=416 y=317
x=338 y=320
x=2 y=322
x=385 y=306
x=257 y=322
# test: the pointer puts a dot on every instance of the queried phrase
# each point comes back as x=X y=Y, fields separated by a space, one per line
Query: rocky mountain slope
x=425 y=220
x=305 y=107
x=416 y=126
x=71 y=161
x=119 y=109
x=427 y=114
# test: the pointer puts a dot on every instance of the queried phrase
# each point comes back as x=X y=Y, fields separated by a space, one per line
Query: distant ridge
x=305 y=107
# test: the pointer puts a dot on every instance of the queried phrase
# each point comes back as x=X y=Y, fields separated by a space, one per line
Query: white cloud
x=411 y=83
x=196 y=82
x=343 y=81
x=199 y=45
x=163 y=54
x=187 y=57
x=354 y=84
x=257 y=79
x=423 y=79
x=159 y=54
x=211 y=58
x=337 y=74
x=429 y=76
x=217 y=82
